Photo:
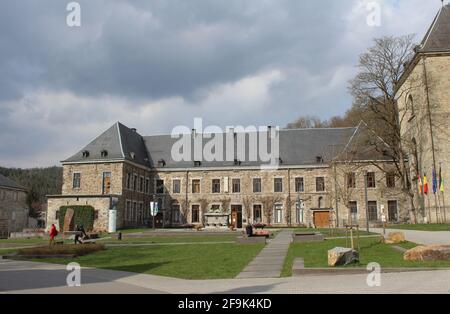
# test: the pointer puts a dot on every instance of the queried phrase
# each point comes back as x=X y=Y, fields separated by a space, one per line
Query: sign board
x=154 y=208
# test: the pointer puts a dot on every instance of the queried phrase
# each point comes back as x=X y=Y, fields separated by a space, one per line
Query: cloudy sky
x=156 y=64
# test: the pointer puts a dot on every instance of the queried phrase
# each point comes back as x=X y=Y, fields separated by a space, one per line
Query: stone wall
x=130 y=216
x=433 y=102
x=100 y=204
x=13 y=210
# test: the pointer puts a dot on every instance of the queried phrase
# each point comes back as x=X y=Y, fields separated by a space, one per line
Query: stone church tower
x=423 y=98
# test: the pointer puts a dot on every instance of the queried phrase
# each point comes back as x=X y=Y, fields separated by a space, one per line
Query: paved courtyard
x=421 y=237
x=30 y=277
x=269 y=262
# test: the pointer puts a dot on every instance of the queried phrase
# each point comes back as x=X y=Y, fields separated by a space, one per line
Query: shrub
x=83 y=215
x=67 y=249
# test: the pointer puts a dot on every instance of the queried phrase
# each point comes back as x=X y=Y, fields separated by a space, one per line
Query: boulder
x=342 y=256
x=395 y=237
x=428 y=253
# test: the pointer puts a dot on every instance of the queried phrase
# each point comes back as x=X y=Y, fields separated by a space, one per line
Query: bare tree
x=374 y=92
x=268 y=206
x=247 y=202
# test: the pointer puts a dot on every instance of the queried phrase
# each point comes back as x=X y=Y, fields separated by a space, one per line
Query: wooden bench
x=250 y=240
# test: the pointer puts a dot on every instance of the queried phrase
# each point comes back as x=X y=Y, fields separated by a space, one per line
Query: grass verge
x=315 y=255
x=180 y=261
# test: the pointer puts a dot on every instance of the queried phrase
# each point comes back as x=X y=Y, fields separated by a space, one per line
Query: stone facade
x=13 y=210
x=187 y=203
x=424 y=104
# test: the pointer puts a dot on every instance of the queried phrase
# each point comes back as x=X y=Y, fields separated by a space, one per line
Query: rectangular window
x=135 y=182
x=351 y=180
x=176 y=214
x=141 y=184
x=299 y=185
x=95 y=214
x=76 y=183
x=353 y=206
x=390 y=180
x=300 y=212
x=57 y=215
x=278 y=185
x=128 y=182
x=371 y=180
x=392 y=211
x=236 y=185
x=320 y=184
x=257 y=185
x=159 y=187
x=215 y=185
x=128 y=211
x=106 y=189
x=373 y=211
x=176 y=186
x=134 y=218
x=147 y=185
x=195 y=213
x=278 y=214
x=196 y=186
x=257 y=213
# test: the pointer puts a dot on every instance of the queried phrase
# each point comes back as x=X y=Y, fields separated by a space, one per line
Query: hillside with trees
x=39 y=182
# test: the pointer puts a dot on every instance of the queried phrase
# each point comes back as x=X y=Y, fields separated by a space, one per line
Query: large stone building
x=13 y=207
x=322 y=177
x=423 y=97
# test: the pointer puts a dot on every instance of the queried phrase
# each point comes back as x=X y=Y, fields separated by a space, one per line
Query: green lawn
x=327 y=232
x=422 y=227
x=315 y=254
x=180 y=261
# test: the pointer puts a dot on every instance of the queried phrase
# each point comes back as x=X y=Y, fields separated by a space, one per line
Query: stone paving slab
x=269 y=262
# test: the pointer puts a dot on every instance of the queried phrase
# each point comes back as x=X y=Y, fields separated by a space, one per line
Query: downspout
x=336 y=195
x=289 y=198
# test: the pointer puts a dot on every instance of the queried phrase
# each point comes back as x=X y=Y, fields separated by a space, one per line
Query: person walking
x=53 y=234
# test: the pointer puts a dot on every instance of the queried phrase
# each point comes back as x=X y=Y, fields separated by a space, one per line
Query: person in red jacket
x=53 y=234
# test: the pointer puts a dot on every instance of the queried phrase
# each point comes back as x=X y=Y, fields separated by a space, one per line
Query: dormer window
x=161 y=163
x=104 y=153
x=197 y=163
x=319 y=159
x=237 y=162
x=85 y=154
x=132 y=155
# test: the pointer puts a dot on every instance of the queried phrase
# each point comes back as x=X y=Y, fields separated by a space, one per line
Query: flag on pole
x=425 y=185
x=435 y=183
x=419 y=184
x=441 y=181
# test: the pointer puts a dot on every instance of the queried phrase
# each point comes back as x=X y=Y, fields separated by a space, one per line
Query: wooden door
x=236 y=216
x=322 y=219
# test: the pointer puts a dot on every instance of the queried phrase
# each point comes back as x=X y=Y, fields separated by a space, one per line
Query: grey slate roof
x=119 y=142
x=8 y=183
x=298 y=147
x=437 y=39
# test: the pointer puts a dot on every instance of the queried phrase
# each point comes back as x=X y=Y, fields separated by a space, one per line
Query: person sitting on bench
x=80 y=233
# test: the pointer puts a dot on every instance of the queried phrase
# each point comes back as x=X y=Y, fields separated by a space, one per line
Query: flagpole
x=443 y=205
x=429 y=209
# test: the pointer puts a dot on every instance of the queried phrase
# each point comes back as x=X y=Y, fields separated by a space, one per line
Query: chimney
x=133 y=129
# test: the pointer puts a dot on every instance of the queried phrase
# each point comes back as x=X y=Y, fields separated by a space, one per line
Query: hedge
x=83 y=215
